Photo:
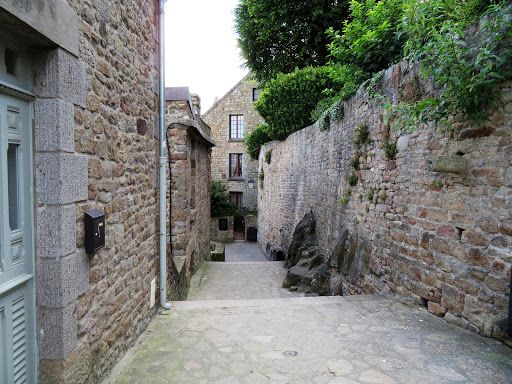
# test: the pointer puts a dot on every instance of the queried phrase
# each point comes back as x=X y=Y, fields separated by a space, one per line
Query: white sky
x=201 y=49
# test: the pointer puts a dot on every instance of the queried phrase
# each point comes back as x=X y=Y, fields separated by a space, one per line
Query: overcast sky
x=201 y=49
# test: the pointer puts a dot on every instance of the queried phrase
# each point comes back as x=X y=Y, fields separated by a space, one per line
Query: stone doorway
x=239 y=228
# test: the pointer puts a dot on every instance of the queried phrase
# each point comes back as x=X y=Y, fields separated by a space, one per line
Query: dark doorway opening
x=239 y=228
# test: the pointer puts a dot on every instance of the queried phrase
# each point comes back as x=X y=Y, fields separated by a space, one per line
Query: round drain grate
x=290 y=353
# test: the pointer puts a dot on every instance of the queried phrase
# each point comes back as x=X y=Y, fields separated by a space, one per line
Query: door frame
x=15 y=88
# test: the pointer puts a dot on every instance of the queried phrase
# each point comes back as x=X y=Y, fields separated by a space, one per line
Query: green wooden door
x=18 y=362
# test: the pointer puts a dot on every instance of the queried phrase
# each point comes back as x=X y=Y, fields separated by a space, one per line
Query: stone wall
x=222 y=236
x=190 y=164
x=237 y=101
x=114 y=131
x=441 y=238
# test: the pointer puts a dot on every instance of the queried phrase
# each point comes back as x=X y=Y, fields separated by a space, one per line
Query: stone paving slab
x=241 y=327
x=244 y=251
x=358 y=339
x=239 y=281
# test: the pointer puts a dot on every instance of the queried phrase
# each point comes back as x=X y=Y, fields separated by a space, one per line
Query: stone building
x=189 y=144
x=78 y=130
x=231 y=118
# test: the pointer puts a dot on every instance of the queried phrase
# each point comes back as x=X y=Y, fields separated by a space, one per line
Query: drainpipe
x=162 y=164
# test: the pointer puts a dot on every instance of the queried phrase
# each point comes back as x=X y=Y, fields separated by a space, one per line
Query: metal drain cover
x=290 y=353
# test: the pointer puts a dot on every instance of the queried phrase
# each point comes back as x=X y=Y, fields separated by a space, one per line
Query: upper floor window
x=236 y=126
x=235 y=165
x=255 y=94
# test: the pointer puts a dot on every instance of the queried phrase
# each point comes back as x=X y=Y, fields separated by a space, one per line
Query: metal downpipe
x=162 y=165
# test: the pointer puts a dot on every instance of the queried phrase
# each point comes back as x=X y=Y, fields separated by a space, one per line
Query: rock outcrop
x=313 y=272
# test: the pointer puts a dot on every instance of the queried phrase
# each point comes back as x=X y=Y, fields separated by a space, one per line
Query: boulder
x=304 y=237
x=312 y=272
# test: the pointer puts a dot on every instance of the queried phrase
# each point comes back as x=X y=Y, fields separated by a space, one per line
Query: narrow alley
x=240 y=326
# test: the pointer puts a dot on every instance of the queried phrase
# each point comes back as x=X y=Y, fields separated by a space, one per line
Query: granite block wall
x=442 y=238
x=96 y=110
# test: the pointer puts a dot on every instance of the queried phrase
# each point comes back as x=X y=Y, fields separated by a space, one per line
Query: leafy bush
x=220 y=204
x=369 y=40
x=256 y=140
x=287 y=101
x=420 y=19
x=468 y=72
x=261 y=177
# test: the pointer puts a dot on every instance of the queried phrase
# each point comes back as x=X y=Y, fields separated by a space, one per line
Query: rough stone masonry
x=437 y=218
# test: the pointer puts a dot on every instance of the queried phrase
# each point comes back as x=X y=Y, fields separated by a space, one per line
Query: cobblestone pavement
x=296 y=340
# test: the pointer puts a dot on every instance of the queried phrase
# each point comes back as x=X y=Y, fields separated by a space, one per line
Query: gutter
x=162 y=165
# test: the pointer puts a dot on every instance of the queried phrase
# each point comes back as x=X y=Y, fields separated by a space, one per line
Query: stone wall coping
x=194 y=127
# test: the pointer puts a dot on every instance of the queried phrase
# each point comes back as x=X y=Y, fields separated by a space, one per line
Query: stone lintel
x=55 y=20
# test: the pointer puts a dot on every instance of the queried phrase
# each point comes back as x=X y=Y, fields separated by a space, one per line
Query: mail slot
x=94 y=230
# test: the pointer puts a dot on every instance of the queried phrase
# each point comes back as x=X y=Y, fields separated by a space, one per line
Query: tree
x=220 y=204
x=280 y=36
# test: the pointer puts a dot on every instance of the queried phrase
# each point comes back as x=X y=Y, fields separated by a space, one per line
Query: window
x=235 y=165
x=255 y=94
x=237 y=198
x=13 y=186
x=10 y=62
x=236 y=126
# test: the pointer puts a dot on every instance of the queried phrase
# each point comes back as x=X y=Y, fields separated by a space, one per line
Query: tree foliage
x=287 y=101
x=280 y=36
x=220 y=204
x=369 y=40
x=467 y=70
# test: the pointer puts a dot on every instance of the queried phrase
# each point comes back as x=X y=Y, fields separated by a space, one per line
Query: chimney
x=196 y=103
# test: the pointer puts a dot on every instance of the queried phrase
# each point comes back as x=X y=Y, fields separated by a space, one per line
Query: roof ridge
x=226 y=95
